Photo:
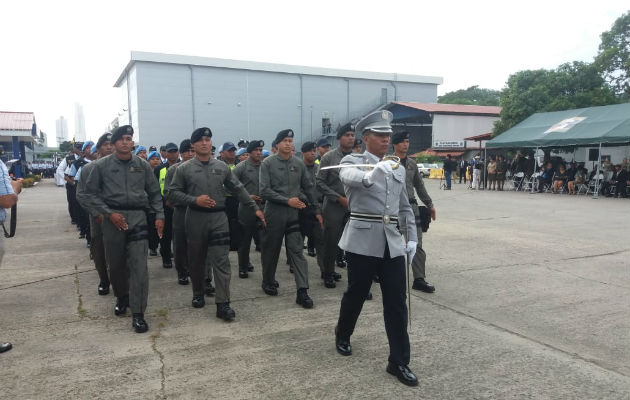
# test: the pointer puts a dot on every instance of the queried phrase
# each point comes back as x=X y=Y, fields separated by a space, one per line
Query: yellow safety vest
x=163 y=172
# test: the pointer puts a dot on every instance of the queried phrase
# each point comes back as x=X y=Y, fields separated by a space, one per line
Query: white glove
x=381 y=169
x=410 y=248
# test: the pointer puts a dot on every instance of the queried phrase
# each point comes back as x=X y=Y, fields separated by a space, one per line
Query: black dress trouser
x=391 y=271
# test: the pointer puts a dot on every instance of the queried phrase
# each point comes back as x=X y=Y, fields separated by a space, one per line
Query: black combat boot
x=303 y=298
x=225 y=312
x=329 y=281
x=198 y=301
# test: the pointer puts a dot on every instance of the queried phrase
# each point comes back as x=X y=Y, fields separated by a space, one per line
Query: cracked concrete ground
x=532 y=302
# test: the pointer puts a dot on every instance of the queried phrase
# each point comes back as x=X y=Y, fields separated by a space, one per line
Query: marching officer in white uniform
x=374 y=245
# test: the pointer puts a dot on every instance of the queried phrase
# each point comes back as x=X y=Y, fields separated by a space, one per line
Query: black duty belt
x=388 y=219
x=126 y=208
x=207 y=210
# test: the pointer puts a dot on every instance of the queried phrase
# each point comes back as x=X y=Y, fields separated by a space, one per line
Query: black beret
x=283 y=134
x=199 y=133
x=120 y=132
x=185 y=145
x=242 y=143
x=343 y=129
x=308 y=146
x=357 y=142
x=78 y=145
x=162 y=148
x=105 y=137
x=399 y=137
x=254 y=144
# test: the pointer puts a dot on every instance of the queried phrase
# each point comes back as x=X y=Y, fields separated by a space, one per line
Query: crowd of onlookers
x=554 y=175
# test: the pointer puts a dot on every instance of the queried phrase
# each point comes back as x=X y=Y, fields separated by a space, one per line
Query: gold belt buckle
x=386 y=219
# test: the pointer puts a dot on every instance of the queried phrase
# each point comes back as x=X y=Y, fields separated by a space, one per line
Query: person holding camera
x=9 y=189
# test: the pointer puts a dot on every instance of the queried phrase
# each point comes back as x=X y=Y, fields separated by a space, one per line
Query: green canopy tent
x=592 y=126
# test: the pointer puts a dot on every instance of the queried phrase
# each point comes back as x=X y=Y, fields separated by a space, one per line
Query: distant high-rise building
x=79 y=123
x=62 y=130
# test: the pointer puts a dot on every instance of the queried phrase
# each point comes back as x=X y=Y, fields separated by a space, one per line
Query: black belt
x=374 y=218
x=413 y=201
x=207 y=210
x=126 y=208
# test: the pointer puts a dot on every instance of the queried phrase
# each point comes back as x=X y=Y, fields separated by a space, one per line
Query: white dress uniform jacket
x=383 y=198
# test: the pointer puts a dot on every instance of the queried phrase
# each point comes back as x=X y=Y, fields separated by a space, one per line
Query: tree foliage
x=65 y=147
x=571 y=85
x=474 y=95
x=613 y=58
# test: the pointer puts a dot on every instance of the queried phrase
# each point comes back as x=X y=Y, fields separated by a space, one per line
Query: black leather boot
x=139 y=324
x=303 y=298
x=121 y=305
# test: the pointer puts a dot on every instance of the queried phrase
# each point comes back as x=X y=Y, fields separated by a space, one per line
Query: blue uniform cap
x=94 y=149
x=86 y=144
x=323 y=142
x=140 y=148
x=265 y=153
x=241 y=151
x=154 y=154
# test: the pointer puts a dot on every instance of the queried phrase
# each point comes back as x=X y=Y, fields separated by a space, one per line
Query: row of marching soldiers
x=280 y=198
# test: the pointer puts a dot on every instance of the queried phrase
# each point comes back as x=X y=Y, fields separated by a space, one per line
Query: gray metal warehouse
x=165 y=97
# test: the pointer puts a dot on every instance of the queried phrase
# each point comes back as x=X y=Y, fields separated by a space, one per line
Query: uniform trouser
x=462 y=174
x=180 y=247
x=126 y=255
x=282 y=221
x=391 y=271
x=311 y=228
x=208 y=237
x=154 y=239
x=334 y=221
x=249 y=227
x=476 y=178
x=71 y=196
x=418 y=264
x=447 y=176
x=167 y=235
x=98 y=250
x=84 y=223
x=236 y=234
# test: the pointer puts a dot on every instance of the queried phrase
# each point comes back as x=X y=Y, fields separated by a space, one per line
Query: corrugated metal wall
x=173 y=99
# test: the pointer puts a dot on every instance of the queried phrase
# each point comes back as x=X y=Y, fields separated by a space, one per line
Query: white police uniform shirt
x=387 y=197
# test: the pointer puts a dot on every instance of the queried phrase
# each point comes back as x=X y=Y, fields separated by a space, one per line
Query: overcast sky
x=55 y=53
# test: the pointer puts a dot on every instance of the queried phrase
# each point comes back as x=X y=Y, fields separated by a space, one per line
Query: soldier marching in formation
x=192 y=199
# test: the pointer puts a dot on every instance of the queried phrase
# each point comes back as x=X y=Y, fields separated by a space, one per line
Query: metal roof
x=438 y=108
x=139 y=56
x=16 y=121
x=479 y=138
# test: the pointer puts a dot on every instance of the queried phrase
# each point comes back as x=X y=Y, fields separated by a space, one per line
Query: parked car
x=425 y=169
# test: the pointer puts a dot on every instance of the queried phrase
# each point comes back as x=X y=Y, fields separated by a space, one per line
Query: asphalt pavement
x=532 y=302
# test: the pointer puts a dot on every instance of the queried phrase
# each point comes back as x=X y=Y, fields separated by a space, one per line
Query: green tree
x=613 y=58
x=474 y=95
x=65 y=146
x=571 y=85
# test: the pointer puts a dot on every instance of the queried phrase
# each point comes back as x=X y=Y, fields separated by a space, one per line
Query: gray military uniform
x=281 y=180
x=369 y=238
x=312 y=227
x=414 y=181
x=207 y=229
x=334 y=214
x=249 y=175
x=375 y=246
x=129 y=188
x=180 y=248
x=97 y=247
